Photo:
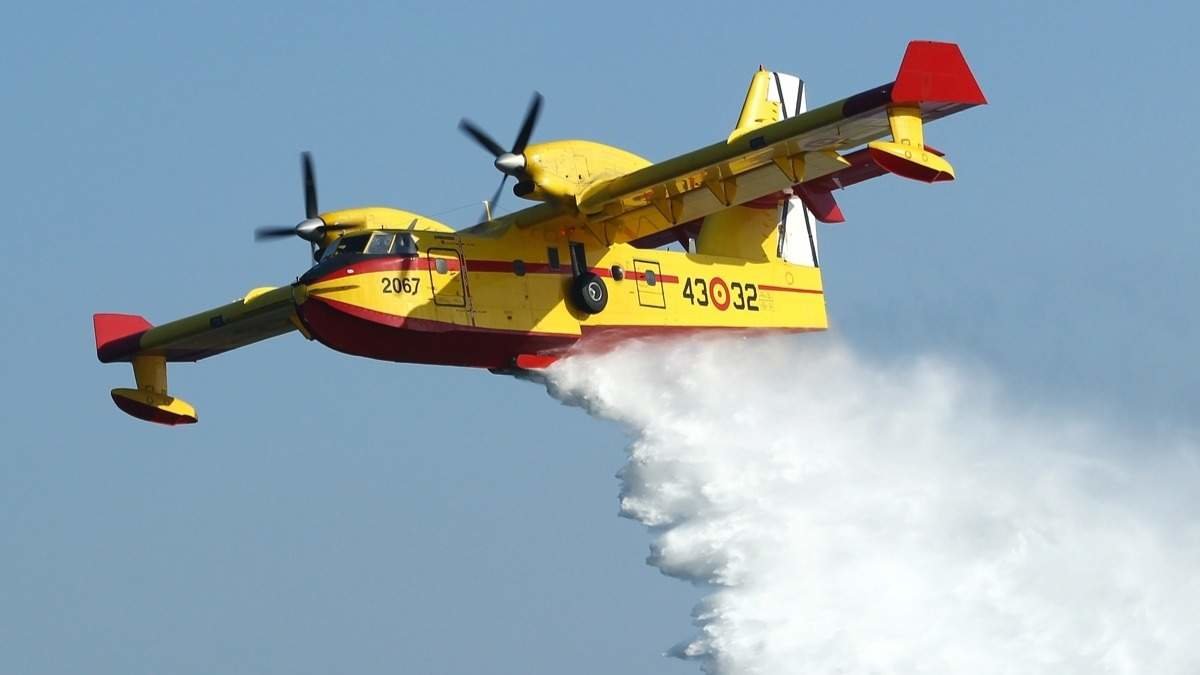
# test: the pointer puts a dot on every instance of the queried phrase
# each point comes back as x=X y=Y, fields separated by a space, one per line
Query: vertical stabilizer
x=797 y=226
x=797 y=233
x=741 y=231
x=772 y=97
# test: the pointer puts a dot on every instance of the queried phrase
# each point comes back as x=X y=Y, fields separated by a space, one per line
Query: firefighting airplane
x=586 y=267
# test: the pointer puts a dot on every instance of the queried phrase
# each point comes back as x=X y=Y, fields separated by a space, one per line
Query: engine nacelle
x=561 y=170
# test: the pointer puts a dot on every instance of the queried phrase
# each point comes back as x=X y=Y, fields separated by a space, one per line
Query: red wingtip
x=935 y=72
x=117 y=334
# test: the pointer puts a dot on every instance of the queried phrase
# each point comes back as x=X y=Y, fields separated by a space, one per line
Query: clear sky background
x=332 y=514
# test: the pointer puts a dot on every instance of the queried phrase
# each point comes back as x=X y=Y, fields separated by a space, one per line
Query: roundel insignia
x=719 y=291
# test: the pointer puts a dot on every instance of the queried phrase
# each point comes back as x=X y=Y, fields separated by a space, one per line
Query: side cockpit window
x=352 y=244
x=405 y=245
x=381 y=243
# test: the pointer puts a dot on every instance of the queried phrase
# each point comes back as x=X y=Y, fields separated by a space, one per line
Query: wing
x=263 y=313
x=812 y=151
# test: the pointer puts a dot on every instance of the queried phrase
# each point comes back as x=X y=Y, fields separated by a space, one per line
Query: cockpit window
x=375 y=243
x=352 y=244
x=381 y=243
x=405 y=245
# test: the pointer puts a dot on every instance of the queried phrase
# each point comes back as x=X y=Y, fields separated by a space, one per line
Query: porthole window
x=618 y=272
x=651 y=278
x=440 y=264
x=519 y=268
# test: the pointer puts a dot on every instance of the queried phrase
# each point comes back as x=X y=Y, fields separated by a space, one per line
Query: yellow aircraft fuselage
x=473 y=300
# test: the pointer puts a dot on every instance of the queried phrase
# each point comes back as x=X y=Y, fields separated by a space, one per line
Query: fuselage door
x=446 y=277
x=649 y=286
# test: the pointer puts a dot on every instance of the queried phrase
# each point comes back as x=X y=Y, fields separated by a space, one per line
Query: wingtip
x=936 y=72
x=117 y=335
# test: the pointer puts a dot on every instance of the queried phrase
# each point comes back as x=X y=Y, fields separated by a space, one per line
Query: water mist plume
x=844 y=516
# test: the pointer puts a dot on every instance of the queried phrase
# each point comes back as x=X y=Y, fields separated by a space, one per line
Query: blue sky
x=334 y=514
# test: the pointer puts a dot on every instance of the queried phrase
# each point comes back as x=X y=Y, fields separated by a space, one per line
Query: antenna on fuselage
x=487 y=211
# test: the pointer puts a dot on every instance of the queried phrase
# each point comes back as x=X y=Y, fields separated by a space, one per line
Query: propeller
x=312 y=228
x=509 y=162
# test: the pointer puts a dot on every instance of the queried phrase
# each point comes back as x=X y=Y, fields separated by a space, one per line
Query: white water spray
x=850 y=517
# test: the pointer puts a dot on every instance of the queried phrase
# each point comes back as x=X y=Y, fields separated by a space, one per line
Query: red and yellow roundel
x=718 y=290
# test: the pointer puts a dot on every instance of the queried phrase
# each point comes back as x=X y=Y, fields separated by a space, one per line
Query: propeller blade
x=310 y=185
x=492 y=204
x=531 y=117
x=274 y=232
x=312 y=228
x=509 y=162
x=468 y=127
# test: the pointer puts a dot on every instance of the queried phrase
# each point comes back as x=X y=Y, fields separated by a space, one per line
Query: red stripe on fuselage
x=785 y=289
x=384 y=264
x=400 y=264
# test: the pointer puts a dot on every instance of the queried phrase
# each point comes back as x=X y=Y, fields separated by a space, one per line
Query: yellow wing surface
x=763 y=157
x=263 y=313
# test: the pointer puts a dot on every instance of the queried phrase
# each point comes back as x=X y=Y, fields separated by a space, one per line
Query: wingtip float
x=588 y=267
x=118 y=335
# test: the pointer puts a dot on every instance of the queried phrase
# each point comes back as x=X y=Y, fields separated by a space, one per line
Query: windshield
x=377 y=243
x=353 y=244
x=381 y=243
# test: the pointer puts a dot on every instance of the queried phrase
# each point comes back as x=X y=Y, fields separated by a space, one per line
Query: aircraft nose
x=315 y=272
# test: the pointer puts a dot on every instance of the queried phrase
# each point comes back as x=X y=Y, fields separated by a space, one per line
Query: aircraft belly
x=361 y=331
